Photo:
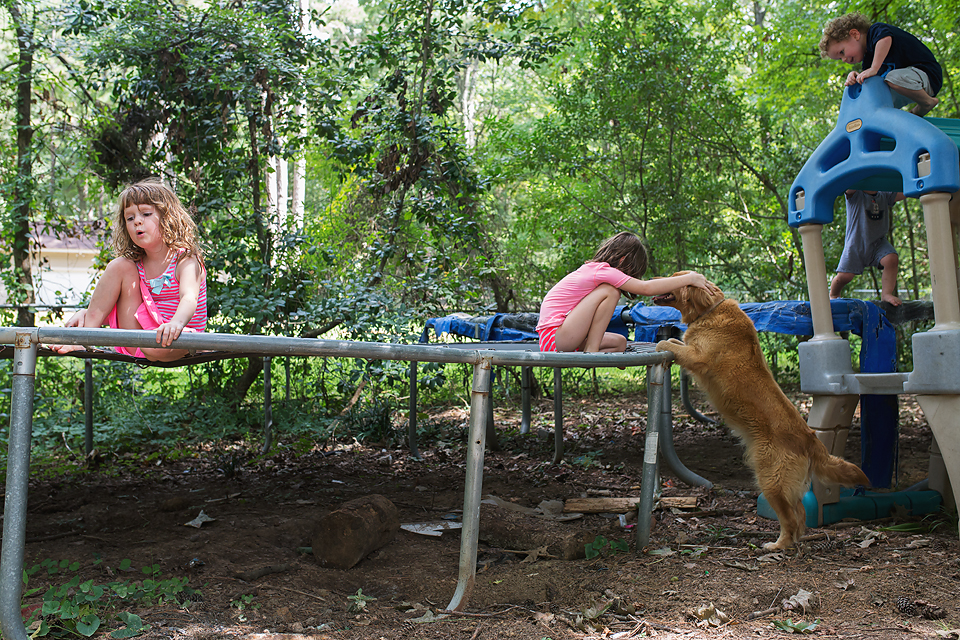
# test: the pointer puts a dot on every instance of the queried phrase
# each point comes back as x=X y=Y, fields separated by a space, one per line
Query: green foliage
x=79 y=608
x=602 y=546
x=799 y=626
x=358 y=601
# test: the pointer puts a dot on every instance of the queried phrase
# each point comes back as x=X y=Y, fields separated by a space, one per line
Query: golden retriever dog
x=720 y=348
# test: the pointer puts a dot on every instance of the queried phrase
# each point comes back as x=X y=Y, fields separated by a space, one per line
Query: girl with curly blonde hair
x=157 y=281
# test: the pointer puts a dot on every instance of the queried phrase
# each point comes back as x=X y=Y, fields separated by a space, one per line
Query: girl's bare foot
x=65 y=348
x=891 y=299
x=922 y=109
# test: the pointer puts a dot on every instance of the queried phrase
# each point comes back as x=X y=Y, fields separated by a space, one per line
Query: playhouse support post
x=473 y=484
x=812 y=235
x=830 y=418
x=943 y=272
x=943 y=414
x=937 y=477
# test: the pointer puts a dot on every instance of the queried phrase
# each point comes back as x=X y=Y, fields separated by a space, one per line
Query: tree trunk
x=468 y=102
x=23 y=182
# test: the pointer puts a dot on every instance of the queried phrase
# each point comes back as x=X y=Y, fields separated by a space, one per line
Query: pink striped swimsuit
x=166 y=295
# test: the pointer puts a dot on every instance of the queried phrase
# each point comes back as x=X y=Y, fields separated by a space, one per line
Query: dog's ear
x=699 y=300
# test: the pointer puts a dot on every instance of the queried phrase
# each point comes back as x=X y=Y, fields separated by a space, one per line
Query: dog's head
x=690 y=301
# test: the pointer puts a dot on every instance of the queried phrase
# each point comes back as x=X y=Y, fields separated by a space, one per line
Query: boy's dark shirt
x=906 y=50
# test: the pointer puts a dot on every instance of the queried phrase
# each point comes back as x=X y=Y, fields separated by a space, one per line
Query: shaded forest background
x=358 y=167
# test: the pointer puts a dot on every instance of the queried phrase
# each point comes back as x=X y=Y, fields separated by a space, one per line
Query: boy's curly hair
x=838 y=29
x=624 y=251
x=177 y=228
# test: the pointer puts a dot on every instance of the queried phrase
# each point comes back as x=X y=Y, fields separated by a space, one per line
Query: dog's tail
x=835 y=469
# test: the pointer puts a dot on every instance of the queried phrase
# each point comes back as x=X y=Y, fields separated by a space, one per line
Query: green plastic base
x=865 y=506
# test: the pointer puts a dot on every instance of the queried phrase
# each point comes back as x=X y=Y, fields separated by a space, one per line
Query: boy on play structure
x=916 y=76
x=866 y=244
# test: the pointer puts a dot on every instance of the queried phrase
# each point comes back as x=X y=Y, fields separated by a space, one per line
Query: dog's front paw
x=664 y=345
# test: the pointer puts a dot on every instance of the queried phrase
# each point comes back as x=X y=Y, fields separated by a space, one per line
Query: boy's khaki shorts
x=908 y=78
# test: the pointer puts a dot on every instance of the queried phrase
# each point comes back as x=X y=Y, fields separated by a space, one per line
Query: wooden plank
x=622 y=505
x=679 y=502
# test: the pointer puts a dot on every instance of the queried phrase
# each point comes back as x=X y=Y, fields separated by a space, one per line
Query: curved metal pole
x=666 y=442
x=18 y=473
x=473 y=484
x=685 y=399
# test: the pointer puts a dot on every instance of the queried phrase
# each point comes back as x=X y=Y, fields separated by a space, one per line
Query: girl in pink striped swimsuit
x=157 y=281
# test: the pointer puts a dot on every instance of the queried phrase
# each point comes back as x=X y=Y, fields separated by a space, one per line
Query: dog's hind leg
x=791 y=515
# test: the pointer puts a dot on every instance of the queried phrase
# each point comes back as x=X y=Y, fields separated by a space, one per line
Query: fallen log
x=344 y=537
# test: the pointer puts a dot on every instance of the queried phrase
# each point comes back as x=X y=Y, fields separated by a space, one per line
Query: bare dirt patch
x=265 y=509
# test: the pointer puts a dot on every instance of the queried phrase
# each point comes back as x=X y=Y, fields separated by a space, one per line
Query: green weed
x=79 y=608
x=603 y=546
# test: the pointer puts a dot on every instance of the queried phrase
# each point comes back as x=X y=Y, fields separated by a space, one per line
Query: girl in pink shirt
x=157 y=281
x=575 y=313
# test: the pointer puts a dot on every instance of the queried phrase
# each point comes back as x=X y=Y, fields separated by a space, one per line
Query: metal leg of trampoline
x=88 y=406
x=525 y=375
x=666 y=442
x=651 y=447
x=473 y=484
x=267 y=405
x=412 y=407
x=557 y=416
x=491 y=427
x=18 y=475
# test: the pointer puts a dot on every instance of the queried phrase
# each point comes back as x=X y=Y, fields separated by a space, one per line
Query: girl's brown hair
x=177 y=228
x=838 y=29
x=624 y=251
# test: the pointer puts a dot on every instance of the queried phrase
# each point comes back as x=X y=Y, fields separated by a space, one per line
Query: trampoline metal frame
x=27 y=340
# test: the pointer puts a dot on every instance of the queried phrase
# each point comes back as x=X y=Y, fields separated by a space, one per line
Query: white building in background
x=63 y=269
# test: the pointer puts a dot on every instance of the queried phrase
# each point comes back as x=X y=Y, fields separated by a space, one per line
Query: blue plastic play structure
x=871 y=140
x=877 y=147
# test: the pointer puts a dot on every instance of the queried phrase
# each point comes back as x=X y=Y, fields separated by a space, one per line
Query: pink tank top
x=166 y=295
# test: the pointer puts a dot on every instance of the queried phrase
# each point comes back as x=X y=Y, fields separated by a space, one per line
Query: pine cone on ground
x=906 y=606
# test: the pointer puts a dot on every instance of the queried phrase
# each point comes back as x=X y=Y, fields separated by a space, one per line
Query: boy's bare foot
x=923 y=108
x=891 y=299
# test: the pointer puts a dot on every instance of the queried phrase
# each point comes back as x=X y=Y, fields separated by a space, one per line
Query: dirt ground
x=704 y=574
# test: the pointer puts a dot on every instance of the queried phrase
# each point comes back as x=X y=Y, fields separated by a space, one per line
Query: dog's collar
x=712 y=307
